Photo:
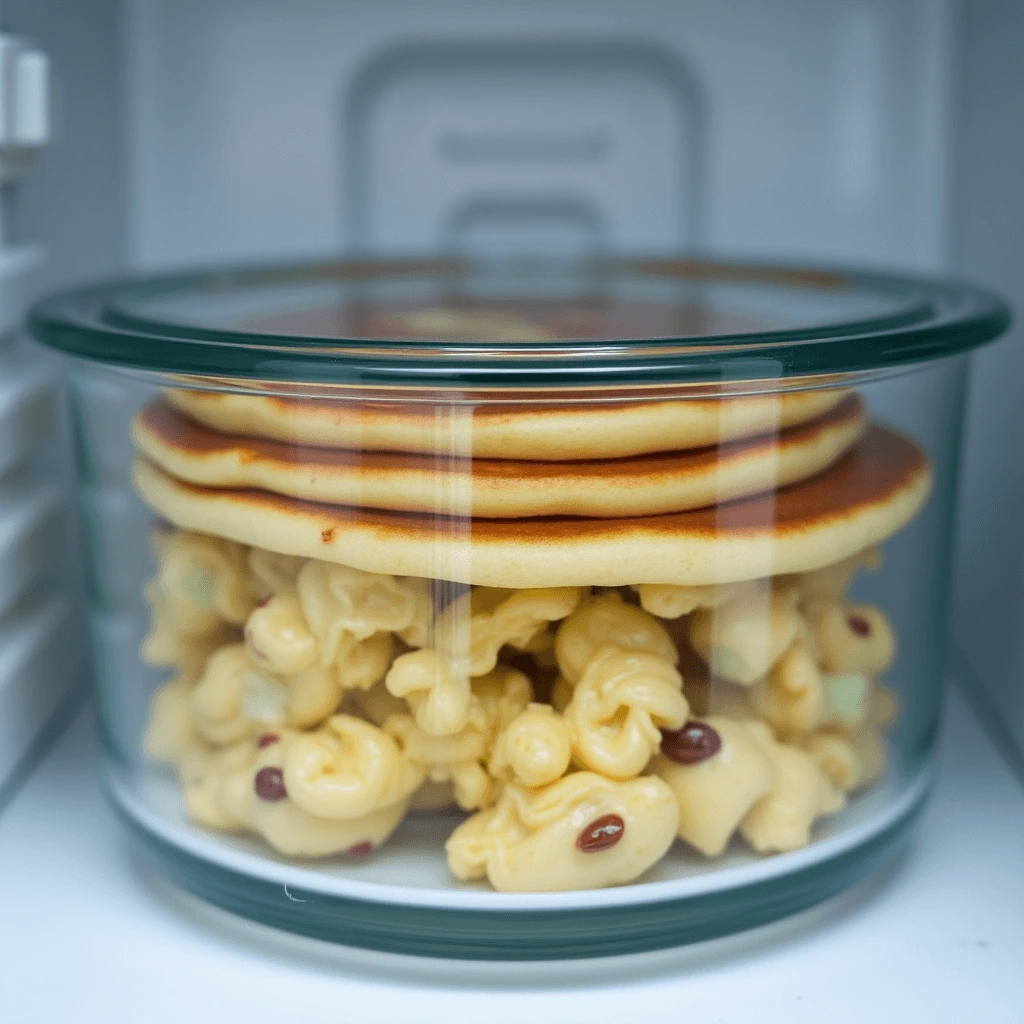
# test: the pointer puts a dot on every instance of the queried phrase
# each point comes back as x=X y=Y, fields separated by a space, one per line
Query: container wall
x=313 y=627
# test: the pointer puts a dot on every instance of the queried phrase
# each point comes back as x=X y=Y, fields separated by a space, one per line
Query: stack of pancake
x=690 y=492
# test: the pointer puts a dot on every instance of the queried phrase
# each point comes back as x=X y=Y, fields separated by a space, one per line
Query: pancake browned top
x=866 y=496
x=493 y=488
x=563 y=431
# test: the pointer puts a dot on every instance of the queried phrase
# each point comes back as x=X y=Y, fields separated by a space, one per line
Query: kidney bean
x=601 y=834
x=269 y=784
x=695 y=742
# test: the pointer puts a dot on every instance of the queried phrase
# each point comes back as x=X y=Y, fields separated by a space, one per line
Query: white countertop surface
x=89 y=935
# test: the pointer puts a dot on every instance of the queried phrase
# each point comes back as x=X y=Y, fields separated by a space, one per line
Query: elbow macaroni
x=533 y=749
x=235 y=698
x=501 y=695
x=607 y=619
x=227 y=796
x=170 y=642
x=670 y=601
x=440 y=698
x=800 y=793
x=455 y=759
x=170 y=728
x=741 y=640
x=715 y=794
x=278 y=637
x=376 y=704
x=475 y=627
x=792 y=700
x=365 y=663
x=203 y=580
x=497 y=699
x=348 y=768
x=314 y=705
x=340 y=603
x=529 y=840
x=853 y=638
x=619 y=706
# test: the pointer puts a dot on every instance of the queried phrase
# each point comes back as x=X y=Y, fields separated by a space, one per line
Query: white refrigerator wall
x=74 y=205
x=57 y=222
x=824 y=125
x=989 y=245
x=855 y=131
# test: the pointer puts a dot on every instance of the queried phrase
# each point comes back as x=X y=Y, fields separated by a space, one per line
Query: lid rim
x=941 y=318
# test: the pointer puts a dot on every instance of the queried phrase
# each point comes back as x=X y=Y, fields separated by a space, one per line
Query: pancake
x=496 y=489
x=869 y=494
x=558 y=432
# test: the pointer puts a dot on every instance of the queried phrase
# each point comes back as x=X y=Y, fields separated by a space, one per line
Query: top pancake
x=869 y=494
x=491 y=488
x=529 y=432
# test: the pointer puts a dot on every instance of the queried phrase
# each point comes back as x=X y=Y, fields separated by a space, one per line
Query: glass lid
x=450 y=323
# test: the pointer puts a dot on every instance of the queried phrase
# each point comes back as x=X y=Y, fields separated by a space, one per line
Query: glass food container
x=518 y=610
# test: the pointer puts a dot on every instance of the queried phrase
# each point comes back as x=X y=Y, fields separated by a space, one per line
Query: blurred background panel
x=76 y=203
x=796 y=129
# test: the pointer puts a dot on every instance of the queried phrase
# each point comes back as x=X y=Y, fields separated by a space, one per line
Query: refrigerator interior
x=860 y=132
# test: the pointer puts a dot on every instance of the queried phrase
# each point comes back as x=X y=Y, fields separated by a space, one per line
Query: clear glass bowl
x=519 y=610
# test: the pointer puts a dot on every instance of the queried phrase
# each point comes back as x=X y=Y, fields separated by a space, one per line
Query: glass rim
x=932 y=318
